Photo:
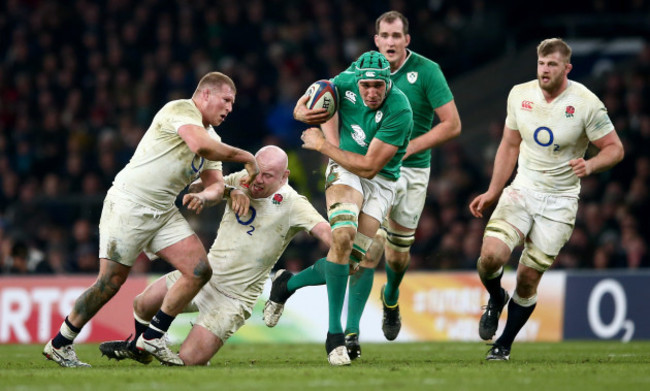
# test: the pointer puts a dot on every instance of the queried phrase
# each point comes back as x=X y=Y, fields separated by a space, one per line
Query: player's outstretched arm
x=323 y=232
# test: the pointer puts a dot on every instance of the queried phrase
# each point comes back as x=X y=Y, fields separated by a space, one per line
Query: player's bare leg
x=494 y=254
x=189 y=257
x=109 y=281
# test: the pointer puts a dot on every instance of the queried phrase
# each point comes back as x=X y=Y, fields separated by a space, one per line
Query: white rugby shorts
x=410 y=194
x=127 y=228
x=220 y=313
x=378 y=192
x=545 y=219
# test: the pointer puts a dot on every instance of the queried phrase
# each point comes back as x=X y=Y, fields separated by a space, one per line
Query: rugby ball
x=323 y=94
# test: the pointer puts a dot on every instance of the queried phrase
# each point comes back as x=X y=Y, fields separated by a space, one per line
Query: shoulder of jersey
x=532 y=84
x=185 y=104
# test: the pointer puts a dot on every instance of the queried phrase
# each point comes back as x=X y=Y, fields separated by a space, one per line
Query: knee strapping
x=535 y=258
x=360 y=247
x=503 y=231
x=398 y=240
x=343 y=214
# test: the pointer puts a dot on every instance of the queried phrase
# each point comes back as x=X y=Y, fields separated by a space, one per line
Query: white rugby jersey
x=553 y=134
x=163 y=165
x=247 y=247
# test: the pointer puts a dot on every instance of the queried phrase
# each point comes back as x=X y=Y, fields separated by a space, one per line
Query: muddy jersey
x=358 y=124
x=247 y=247
x=163 y=165
x=553 y=134
x=426 y=88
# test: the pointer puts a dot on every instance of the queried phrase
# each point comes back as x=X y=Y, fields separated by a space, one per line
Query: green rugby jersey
x=358 y=125
x=423 y=83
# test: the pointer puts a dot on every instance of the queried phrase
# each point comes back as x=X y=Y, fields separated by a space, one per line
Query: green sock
x=313 y=275
x=393 y=280
x=336 y=277
x=360 y=287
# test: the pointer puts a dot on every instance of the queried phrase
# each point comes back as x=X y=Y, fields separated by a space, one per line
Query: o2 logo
x=619 y=322
x=249 y=221
x=543 y=136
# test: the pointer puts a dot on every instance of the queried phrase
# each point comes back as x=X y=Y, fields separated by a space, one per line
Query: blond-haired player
x=139 y=213
x=550 y=122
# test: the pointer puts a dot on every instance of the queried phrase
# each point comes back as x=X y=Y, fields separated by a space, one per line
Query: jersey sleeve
x=597 y=122
x=303 y=214
x=397 y=126
x=234 y=178
x=184 y=113
x=511 y=117
x=436 y=87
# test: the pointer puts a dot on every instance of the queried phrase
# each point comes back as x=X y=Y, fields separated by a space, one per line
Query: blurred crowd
x=80 y=81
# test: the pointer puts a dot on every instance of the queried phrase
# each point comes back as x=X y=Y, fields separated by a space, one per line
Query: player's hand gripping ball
x=323 y=94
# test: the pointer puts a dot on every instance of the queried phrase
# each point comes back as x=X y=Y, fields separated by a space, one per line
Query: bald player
x=139 y=213
x=550 y=122
x=244 y=252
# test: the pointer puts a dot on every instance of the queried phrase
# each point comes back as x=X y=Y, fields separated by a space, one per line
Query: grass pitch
x=383 y=367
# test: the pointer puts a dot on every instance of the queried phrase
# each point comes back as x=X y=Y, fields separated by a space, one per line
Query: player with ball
x=365 y=140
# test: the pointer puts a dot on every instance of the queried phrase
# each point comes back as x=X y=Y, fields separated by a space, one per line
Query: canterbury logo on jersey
x=527 y=105
x=351 y=96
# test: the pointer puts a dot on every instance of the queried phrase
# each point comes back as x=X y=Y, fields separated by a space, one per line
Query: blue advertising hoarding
x=607 y=306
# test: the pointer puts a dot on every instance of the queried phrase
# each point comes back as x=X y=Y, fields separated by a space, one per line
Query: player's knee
x=201 y=273
x=191 y=360
x=204 y=271
x=526 y=288
x=343 y=239
x=490 y=261
x=397 y=261
x=110 y=283
x=138 y=306
x=527 y=283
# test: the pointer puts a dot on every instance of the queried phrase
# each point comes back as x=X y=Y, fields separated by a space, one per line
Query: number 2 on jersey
x=249 y=221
